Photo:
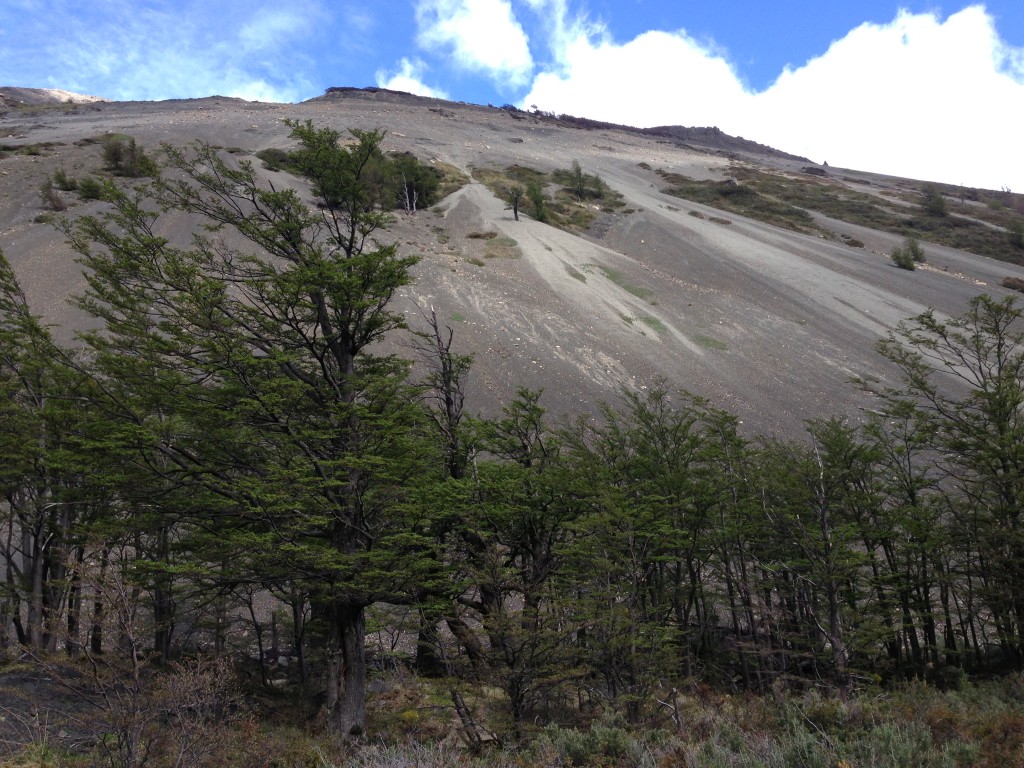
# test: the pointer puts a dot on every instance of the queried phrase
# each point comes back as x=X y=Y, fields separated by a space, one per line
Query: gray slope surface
x=765 y=322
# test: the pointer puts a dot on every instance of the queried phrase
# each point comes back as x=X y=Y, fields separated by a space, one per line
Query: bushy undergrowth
x=911 y=726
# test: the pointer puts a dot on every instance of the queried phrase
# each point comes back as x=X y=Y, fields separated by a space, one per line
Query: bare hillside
x=767 y=322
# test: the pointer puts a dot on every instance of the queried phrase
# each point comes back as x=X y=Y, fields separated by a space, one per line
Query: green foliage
x=909 y=255
x=535 y=194
x=393 y=181
x=934 y=203
x=124 y=157
x=90 y=188
x=63 y=182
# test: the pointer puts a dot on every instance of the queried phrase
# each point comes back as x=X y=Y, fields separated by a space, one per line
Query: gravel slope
x=768 y=323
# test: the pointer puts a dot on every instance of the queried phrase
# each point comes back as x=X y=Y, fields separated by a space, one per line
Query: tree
x=535 y=195
x=965 y=379
x=934 y=202
x=254 y=383
x=578 y=181
x=38 y=508
x=514 y=195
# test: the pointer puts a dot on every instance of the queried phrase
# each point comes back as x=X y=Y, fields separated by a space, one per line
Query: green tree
x=965 y=377
x=934 y=202
x=262 y=391
x=41 y=498
x=535 y=194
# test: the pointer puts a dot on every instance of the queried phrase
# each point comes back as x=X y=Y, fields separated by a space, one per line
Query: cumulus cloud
x=409 y=78
x=920 y=96
x=654 y=79
x=481 y=35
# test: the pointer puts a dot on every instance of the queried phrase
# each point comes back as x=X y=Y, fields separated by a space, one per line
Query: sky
x=925 y=90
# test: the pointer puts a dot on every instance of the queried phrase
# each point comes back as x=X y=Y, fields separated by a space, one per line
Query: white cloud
x=483 y=36
x=268 y=27
x=408 y=78
x=657 y=78
x=919 y=97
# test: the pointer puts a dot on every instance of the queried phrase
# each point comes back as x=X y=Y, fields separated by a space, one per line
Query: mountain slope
x=768 y=322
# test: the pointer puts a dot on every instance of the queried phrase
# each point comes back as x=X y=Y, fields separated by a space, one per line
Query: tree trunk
x=346 y=668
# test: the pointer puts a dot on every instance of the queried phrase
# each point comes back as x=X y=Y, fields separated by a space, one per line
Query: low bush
x=63 y=182
x=124 y=157
x=1013 y=283
x=909 y=255
x=90 y=188
x=51 y=197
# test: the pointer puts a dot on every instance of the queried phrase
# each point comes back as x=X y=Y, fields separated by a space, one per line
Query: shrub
x=275 y=159
x=63 y=182
x=90 y=188
x=51 y=197
x=126 y=158
x=909 y=255
x=902 y=259
x=535 y=195
x=934 y=202
x=913 y=247
x=1013 y=283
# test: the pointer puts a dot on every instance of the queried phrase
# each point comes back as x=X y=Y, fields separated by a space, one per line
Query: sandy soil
x=767 y=323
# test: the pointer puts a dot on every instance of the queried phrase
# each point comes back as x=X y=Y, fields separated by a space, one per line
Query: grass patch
x=476 y=262
x=720 y=220
x=490 y=235
x=619 y=279
x=654 y=323
x=710 y=342
x=502 y=248
x=695 y=214
x=458 y=317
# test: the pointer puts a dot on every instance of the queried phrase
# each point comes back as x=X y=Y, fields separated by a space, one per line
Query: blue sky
x=932 y=91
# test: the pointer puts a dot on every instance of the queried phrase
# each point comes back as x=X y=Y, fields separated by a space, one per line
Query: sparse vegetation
x=502 y=248
x=909 y=255
x=1013 y=283
x=124 y=157
x=50 y=197
x=63 y=182
x=710 y=342
x=572 y=204
x=934 y=203
x=619 y=279
x=90 y=188
x=488 y=235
